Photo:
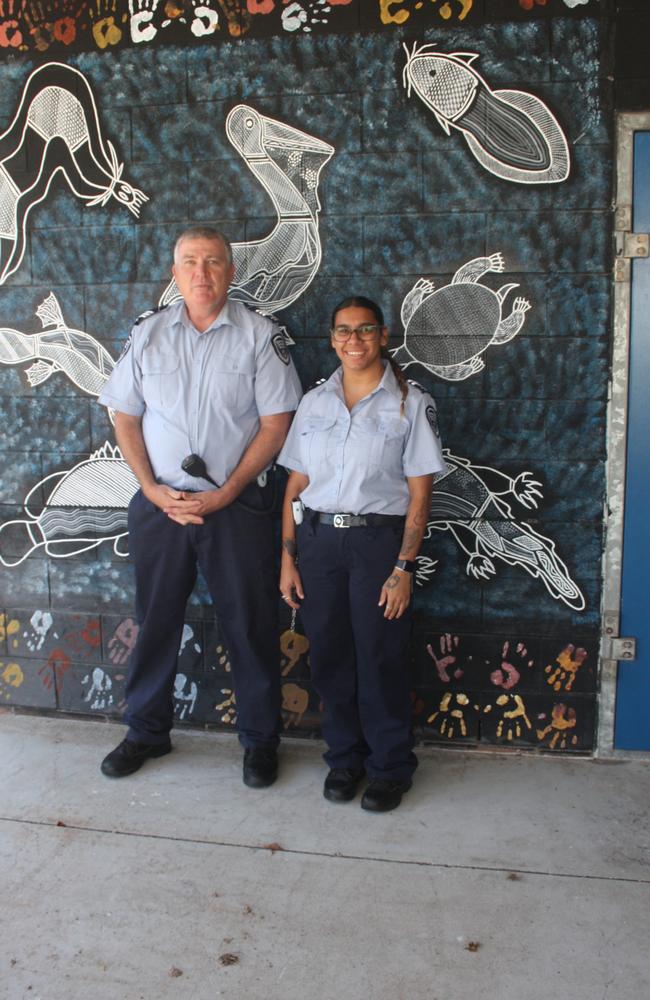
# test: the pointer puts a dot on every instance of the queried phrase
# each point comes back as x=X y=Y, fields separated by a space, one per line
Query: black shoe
x=260 y=766
x=129 y=756
x=341 y=783
x=381 y=795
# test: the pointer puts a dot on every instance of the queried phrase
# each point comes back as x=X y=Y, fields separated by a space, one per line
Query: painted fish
x=85 y=506
x=60 y=349
x=511 y=133
x=481 y=520
x=273 y=272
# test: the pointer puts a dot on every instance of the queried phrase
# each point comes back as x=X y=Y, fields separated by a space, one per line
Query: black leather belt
x=355 y=520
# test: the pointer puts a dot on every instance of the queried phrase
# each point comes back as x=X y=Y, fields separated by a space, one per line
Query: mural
x=60 y=349
x=446 y=330
x=511 y=133
x=56 y=128
x=40 y=26
x=394 y=208
x=480 y=518
x=273 y=272
x=85 y=506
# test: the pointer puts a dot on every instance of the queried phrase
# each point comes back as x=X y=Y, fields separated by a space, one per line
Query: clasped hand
x=187 y=508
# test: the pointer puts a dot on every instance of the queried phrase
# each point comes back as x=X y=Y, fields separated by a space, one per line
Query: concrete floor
x=499 y=876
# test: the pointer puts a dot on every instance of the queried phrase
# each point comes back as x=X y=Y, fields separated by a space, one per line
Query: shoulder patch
x=126 y=348
x=416 y=385
x=314 y=385
x=281 y=342
x=150 y=312
x=432 y=417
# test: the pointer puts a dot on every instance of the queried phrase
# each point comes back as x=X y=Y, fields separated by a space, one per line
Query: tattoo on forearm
x=289 y=546
x=411 y=540
x=392 y=582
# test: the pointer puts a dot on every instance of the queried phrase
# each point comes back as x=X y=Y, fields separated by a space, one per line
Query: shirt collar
x=179 y=315
x=388 y=382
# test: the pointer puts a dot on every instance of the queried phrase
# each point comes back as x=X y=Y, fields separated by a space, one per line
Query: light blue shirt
x=202 y=393
x=358 y=460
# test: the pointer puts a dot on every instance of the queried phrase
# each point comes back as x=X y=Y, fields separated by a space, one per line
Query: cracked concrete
x=500 y=875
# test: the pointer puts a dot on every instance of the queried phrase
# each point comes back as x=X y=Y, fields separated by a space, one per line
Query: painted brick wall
x=501 y=659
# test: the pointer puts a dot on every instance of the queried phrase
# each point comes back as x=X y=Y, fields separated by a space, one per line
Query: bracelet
x=407 y=565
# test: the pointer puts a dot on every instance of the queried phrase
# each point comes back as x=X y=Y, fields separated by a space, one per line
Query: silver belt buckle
x=341 y=521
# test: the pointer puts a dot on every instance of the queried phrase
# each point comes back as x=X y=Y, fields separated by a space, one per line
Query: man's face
x=203 y=274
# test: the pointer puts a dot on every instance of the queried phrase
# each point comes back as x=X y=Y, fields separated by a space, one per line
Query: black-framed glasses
x=366 y=331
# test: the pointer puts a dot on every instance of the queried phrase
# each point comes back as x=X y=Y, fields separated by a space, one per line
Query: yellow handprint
x=569 y=662
x=453 y=708
x=510 y=718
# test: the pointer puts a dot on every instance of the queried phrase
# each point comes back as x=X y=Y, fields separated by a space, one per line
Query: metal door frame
x=627 y=123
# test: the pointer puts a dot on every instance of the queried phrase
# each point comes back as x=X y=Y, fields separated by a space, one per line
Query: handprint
x=205 y=21
x=510 y=717
x=100 y=692
x=53 y=672
x=507 y=675
x=10 y=34
x=105 y=30
x=41 y=623
x=569 y=662
x=121 y=643
x=293 y=645
x=294 y=704
x=223 y=659
x=8 y=629
x=11 y=674
x=448 y=647
x=452 y=709
x=228 y=706
x=562 y=719
x=142 y=16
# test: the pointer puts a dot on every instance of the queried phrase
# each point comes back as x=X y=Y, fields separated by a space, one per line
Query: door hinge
x=619 y=648
x=629 y=245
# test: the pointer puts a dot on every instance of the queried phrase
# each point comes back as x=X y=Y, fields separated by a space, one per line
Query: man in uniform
x=204 y=378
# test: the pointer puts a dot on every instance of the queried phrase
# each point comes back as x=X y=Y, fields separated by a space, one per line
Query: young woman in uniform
x=362 y=452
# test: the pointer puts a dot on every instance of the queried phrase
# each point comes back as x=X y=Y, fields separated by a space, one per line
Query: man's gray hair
x=203 y=233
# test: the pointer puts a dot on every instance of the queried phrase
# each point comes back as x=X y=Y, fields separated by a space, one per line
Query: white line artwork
x=511 y=133
x=273 y=272
x=59 y=349
x=84 y=506
x=446 y=330
x=56 y=127
x=473 y=503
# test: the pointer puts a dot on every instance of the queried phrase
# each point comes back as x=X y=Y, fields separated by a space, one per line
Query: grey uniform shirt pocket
x=316 y=444
x=161 y=384
x=367 y=444
x=232 y=382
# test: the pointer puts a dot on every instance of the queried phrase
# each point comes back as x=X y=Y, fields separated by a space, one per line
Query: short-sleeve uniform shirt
x=202 y=393
x=357 y=461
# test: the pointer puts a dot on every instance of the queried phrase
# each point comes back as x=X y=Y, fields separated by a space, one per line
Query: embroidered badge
x=432 y=417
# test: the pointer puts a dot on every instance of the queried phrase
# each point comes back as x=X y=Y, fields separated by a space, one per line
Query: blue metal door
x=632 y=724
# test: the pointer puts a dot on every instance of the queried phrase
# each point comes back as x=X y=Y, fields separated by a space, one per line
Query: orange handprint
x=569 y=662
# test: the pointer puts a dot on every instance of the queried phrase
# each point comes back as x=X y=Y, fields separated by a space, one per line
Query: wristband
x=407 y=565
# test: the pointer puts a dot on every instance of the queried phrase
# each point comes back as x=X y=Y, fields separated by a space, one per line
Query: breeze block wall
x=420 y=138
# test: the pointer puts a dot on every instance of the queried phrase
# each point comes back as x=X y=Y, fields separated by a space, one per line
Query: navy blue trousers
x=235 y=551
x=358 y=658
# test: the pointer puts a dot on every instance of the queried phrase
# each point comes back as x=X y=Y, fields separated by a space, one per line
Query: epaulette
x=411 y=381
x=151 y=312
x=314 y=385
